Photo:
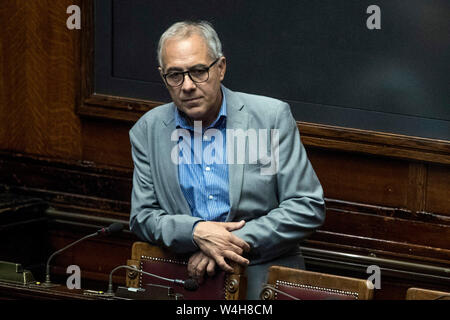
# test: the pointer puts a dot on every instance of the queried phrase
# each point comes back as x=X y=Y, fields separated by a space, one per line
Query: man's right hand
x=216 y=240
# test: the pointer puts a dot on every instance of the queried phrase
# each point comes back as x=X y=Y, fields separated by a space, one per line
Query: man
x=208 y=204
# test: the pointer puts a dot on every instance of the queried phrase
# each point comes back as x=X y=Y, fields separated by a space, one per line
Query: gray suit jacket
x=280 y=209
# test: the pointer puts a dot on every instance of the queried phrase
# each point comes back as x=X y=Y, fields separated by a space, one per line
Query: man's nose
x=188 y=84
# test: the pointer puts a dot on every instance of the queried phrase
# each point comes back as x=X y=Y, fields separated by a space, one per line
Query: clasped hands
x=216 y=243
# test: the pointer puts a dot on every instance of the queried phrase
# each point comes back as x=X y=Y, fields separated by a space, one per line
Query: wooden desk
x=14 y=291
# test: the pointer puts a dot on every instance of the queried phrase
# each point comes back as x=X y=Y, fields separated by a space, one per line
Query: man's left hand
x=199 y=264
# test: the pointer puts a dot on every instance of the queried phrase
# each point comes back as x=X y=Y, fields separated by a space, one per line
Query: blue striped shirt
x=202 y=171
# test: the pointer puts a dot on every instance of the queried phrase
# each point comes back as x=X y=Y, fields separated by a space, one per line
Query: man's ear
x=222 y=67
x=161 y=73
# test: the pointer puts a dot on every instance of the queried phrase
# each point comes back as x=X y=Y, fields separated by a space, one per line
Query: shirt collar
x=181 y=121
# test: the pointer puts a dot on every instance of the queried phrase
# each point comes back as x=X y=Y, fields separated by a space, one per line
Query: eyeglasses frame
x=183 y=73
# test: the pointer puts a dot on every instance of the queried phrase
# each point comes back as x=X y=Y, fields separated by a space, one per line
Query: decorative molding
x=376 y=143
x=338 y=260
x=115 y=108
x=101 y=106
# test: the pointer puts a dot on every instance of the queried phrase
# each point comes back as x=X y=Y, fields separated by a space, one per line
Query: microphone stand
x=47 y=282
x=110 y=284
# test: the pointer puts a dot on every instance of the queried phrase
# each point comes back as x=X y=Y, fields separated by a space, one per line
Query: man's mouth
x=191 y=99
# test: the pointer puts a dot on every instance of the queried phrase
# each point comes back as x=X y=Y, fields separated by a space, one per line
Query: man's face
x=199 y=101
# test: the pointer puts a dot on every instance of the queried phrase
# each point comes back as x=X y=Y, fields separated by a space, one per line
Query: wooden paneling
x=438 y=190
x=84 y=193
x=390 y=229
x=361 y=178
x=96 y=257
x=417 y=181
x=70 y=184
x=39 y=79
x=376 y=143
x=107 y=142
x=90 y=188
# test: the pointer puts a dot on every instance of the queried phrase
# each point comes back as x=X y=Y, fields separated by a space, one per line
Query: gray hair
x=185 y=29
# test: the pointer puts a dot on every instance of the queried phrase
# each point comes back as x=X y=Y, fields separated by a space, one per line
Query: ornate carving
x=132 y=274
x=232 y=286
x=267 y=294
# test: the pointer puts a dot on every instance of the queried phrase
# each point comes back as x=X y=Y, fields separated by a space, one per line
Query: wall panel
x=107 y=142
x=438 y=190
x=361 y=178
x=39 y=79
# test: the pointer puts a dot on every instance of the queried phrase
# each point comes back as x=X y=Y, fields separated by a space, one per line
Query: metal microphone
x=188 y=284
x=113 y=228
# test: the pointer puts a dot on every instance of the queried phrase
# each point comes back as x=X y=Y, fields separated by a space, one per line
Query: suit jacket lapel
x=237 y=118
x=171 y=168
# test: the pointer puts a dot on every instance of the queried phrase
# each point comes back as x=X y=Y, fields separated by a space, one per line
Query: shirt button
x=210 y=197
x=208 y=169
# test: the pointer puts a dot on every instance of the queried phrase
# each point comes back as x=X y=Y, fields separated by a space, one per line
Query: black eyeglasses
x=197 y=75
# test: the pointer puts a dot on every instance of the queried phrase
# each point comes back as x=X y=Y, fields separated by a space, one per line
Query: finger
x=211 y=267
x=193 y=262
x=236 y=249
x=236 y=258
x=239 y=242
x=191 y=269
x=201 y=268
x=231 y=226
x=214 y=252
x=223 y=265
x=196 y=258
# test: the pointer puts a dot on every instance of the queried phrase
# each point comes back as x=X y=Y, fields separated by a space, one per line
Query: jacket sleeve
x=147 y=219
x=301 y=208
